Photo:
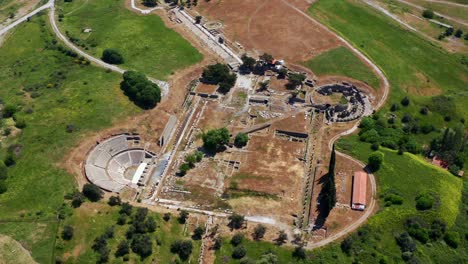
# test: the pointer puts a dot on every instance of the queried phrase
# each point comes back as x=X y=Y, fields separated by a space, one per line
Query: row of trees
x=190 y=162
x=140 y=90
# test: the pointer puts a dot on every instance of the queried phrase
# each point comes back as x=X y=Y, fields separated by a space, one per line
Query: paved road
x=24 y=18
x=386 y=87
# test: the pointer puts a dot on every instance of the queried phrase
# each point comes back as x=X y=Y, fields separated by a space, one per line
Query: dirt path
x=456 y=20
x=386 y=87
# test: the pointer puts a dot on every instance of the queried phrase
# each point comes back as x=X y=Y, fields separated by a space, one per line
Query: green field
x=413 y=66
x=341 y=61
x=91 y=220
x=146 y=44
x=52 y=91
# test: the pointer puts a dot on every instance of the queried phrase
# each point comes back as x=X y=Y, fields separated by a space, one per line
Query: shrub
x=77 y=199
x=198 y=233
x=424 y=201
x=67 y=232
x=122 y=249
x=112 y=56
x=184 y=168
x=259 y=232
x=236 y=221
x=3 y=187
x=437 y=229
x=393 y=199
x=183 y=248
x=237 y=239
x=183 y=215
x=452 y=239
x=20 y=123
x=375 y=160
x=429 y=14
x=406 y=243
x=114 y=200
x=405 y=101
x=241 y=140
x=218 y=242
x=92 y=192
x=126 y=208
x=9 y=110
x=3 y=171
x=142 y=245
x=167 y=217
x=239 y=252
x=299 y=252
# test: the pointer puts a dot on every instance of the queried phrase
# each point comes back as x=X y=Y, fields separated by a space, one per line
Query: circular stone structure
x=118 y=162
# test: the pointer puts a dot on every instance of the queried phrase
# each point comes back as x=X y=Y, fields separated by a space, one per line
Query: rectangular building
x=359 y=191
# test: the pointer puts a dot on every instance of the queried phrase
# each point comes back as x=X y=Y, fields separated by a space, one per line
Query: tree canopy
x=140 y=90
x=92 y=192
x=112 y=56
x=215 y=139
x=221 y=75
x=241 y=140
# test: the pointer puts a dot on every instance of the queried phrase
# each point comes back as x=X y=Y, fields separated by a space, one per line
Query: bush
x=9 y=110
x=3 y=187
x=406 y=243
x=452 y=239
x=198 y=233
x=122 y=249
x=67 y=232
x=259 y=232
x=3 y=171
x=239 y=252
x=140 y=90
x=299 y=252
x=167 y=217
x=405 y=101
x=92 y=192
x=236 y=221
x=114 y=200
x=142 y=245
x=77 y=199
x=424 y=201
x=375 y=160
x=218 y=242
x=237 y=239
x=183 y=248
x=20 y=123
x=241 y=140
x=112 y=56
x=393 y=199
x=183 y=215
x=429 y=14
x=126 y=208
x=215 y=139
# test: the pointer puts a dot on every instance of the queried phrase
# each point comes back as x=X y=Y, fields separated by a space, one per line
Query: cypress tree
x=331 y=178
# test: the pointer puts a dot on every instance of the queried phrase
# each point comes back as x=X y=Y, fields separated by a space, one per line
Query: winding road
x=386 y=88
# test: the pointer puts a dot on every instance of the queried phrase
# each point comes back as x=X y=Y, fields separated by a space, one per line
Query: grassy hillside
x=341 y=61
x=414 y=66
x=144 y=41
x=50 y=91
x=92 y=219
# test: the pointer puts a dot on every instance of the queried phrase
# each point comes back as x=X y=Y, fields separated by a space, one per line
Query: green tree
x=142 y=245
x=429 y=14
x=112 y=56
x=92 y=192
x=236 y=221
x=183 y=215
x=3 y=171
x=248 y=63
x=375 y=160
x=140 y=90
x=267 y=57
x=295 y=79
x=259 y=232
x=221 y=75
x=239 y=252
x=237 y=239
x=215 y=139
x=282 y=238
x=122 y=249
x=114 y=200
x=67 y=232
x=183 y=248
x=241 y=140
x=150 y=3
x=198 y=233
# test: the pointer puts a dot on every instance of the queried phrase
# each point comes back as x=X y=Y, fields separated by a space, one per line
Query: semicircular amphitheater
x=120 y=162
